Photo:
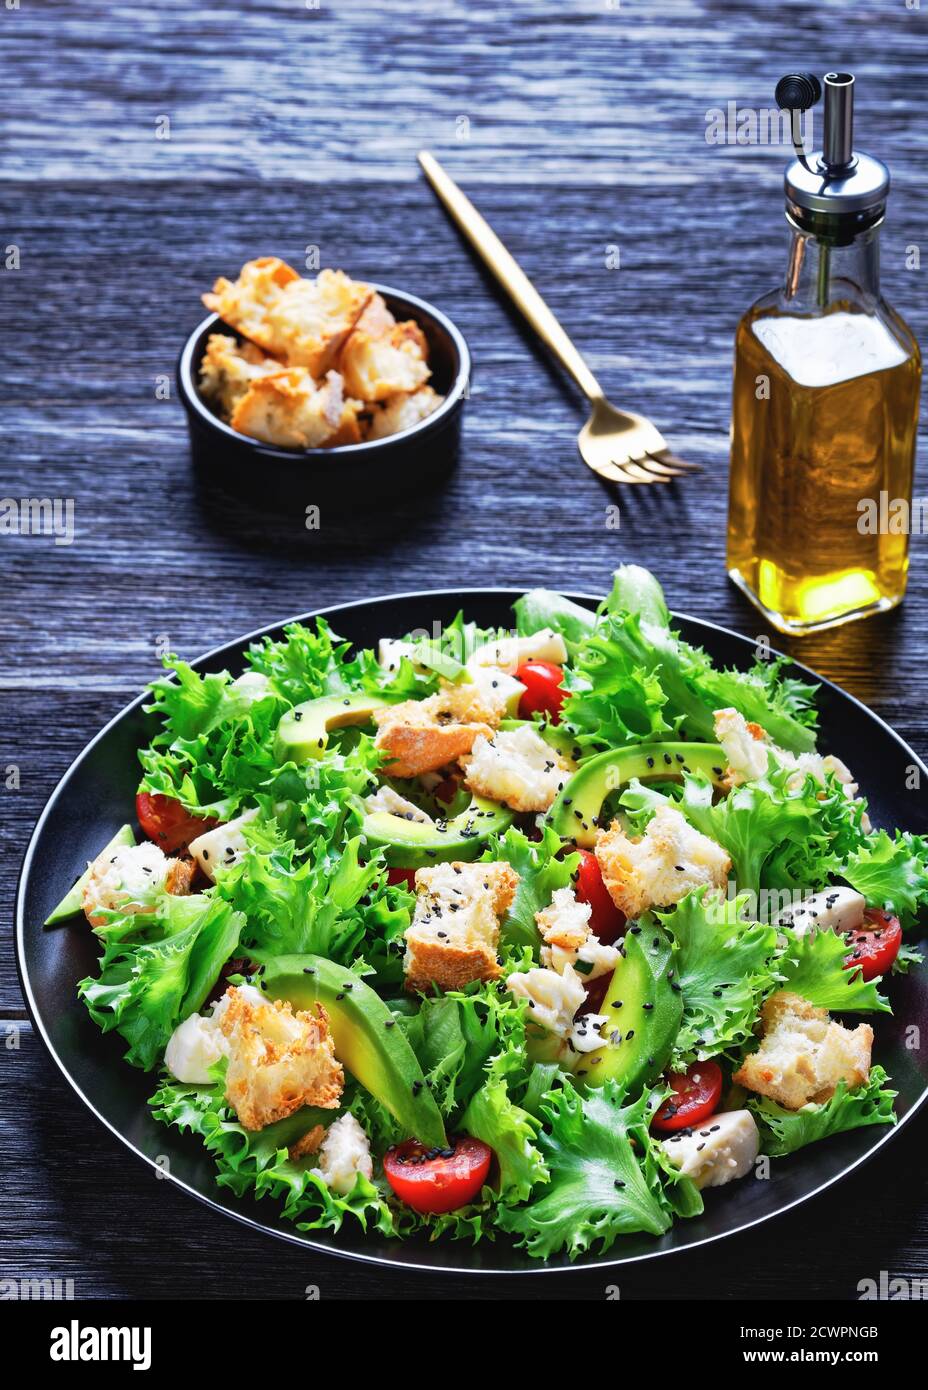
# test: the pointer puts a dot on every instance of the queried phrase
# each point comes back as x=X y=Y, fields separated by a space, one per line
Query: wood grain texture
x=292 y=128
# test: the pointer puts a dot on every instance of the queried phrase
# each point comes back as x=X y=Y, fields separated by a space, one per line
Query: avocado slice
x=368 y=1041
x=575 y=814
x=303 y=732
x=412 y=844
x=643 y=1011
x=71 y=902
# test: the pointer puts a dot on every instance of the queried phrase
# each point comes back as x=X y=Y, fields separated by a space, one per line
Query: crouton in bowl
x=332 y=390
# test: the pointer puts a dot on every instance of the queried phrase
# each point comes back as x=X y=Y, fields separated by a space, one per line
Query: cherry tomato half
x=405 y=876
x=544 y=693
x=696 y=1096
x=434 y=1180
x=606 y=920
x=876 y=945
x=167 y=824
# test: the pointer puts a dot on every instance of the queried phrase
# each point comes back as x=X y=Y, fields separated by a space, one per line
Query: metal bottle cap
x=836 y=180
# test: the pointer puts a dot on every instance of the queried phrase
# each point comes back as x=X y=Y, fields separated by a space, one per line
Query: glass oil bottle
x=825 y=402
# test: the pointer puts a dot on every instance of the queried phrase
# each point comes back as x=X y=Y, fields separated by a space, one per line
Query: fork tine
x=614 y=474
x=644 y=474
x=665 y=456
x=663 y=470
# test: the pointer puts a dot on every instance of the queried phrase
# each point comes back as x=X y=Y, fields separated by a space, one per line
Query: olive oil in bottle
x=825 y=404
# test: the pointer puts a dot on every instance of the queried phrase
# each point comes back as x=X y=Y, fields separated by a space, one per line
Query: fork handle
x=510 y=275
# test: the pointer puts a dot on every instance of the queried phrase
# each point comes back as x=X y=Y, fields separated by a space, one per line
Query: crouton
x=662 y=866
x=377 y=368
x=803 y=1054
x=553 y=997
x=197 y=1044
x=228 y=369
x=565 y=930
x=348 y=430
x=309 y=1144
x=179 y=877
x=516 y=767
x=422 y=735
x=401 y=412
x=376 y=319
x=279 y=1061
x=289 y=410
x=454 y=932
x=129 y=878
x=303 y=322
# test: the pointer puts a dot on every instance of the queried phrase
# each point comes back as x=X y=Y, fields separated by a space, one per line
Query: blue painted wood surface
x=580 y=130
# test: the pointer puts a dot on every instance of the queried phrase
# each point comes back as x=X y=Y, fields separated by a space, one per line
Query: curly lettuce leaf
x=761 y=824
x=541 y=608
x=615 y=695
x=784 y=1131
x=606 y=1179
x=257 y=1163
x=191 y=705
x=813 y=966
x=511 y=1133
x=540 y=874
x=696 y=689
x=213 y=772
x=724 y=966
x=306 y=664
x=326 y=902
x=891 y=872
x=454 y=1037
x=158 y=968
x=907 y=957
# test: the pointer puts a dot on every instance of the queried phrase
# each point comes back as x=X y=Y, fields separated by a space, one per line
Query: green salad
x=534 y=934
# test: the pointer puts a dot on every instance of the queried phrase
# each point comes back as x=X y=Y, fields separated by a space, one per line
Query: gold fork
x=617 y=444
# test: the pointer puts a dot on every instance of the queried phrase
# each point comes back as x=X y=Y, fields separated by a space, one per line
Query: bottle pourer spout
x=838 y=143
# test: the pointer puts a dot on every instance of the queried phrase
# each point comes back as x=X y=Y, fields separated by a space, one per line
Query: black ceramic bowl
x=354 y=475
x=95 y=797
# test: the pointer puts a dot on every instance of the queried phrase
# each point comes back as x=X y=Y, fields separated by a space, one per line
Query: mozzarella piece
x=222 y=847
x=345 y=1152
x=194 y=1047
x=722 y=1149
x=517 y=767
x=497 y=687
x=509 y=652
x=585 y=1036
x=390 y=652
x=198 y=1043
x=386 y=799
x=553 y=998
x=840 y=909
x=565 y=930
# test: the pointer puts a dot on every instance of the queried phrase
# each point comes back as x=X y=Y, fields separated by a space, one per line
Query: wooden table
x=578 y=128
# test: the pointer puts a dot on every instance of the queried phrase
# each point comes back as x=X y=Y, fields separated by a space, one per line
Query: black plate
x=96 y=796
